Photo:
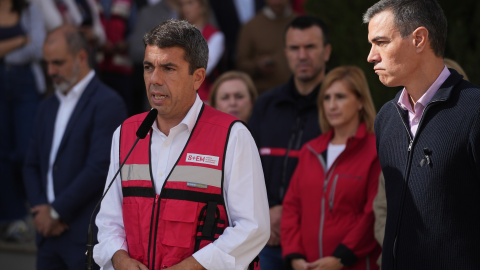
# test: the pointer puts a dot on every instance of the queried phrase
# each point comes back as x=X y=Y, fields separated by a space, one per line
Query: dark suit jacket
x=83 y=157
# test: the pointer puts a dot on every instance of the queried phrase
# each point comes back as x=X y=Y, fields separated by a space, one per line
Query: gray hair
x=75 y=40
x=408 y=15
x=180 y=33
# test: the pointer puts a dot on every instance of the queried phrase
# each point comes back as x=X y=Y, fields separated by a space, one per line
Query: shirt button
x=416 y=120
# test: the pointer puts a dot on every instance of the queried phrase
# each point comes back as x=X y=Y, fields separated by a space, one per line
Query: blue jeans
x=19 y=100
x=271 y=258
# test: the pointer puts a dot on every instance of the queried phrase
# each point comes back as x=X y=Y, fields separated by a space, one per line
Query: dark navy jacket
x=281 y=122
x=432 y=181
x=81 y=165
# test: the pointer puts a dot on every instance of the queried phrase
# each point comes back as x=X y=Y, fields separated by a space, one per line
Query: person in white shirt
x=176 y=56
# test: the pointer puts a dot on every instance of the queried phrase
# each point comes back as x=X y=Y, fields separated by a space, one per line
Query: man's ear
x=420 y=38
x=198 y=78
x=328 y=52
x=83 y=56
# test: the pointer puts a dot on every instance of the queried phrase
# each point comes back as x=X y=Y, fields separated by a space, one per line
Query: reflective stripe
x=136 y=172
x=197 y=175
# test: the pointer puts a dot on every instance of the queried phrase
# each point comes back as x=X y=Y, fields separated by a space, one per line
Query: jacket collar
x=325 y=138
x=290 y=94
x=79 y=109
x=444 y=92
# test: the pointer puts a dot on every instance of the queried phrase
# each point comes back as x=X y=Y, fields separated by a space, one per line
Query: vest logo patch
x=204 y=159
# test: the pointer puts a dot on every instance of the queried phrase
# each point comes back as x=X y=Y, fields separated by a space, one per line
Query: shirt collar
x=404 y=102
x=78 y=89
x=190 y=119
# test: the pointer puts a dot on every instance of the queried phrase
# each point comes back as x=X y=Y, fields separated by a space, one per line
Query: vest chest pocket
x=179 y=219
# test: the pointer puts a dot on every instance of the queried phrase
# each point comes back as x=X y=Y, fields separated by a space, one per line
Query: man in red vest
x=192 y=193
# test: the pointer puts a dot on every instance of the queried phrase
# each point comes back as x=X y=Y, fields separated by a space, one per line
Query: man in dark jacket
x=67 y=161
x=286 y=117
x=428 y=141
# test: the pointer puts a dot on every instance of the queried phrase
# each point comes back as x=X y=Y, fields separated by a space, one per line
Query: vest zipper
x=151 y=234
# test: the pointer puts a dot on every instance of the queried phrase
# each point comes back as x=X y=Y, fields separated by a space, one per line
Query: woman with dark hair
x=21 y=82
x=327 y=220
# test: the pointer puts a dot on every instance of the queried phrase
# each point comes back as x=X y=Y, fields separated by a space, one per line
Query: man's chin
x=62 y=87
x=388 y=82
x=304 y=77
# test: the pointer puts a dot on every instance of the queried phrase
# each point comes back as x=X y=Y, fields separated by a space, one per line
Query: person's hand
x=326 y=263
x=122 y=261
x=275 y=218
x=58 y=227
x=44 y=223
x=299 y=264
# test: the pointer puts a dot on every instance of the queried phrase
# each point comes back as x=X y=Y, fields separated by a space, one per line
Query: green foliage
x=348 y=36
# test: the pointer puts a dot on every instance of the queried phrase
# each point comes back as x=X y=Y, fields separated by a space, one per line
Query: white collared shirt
x=65 y=109
x=244 y=189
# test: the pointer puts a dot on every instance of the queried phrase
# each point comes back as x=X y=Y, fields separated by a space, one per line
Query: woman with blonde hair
x=327 y=220
x=234 y=93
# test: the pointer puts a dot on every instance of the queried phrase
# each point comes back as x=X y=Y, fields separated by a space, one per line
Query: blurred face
x=233 y=98
x=306 y=53
x=341 y=106
x=170 y=87
x=192 y=10
x=392 y=56
x=62 y=66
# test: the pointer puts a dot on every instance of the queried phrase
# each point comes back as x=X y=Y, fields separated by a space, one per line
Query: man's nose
x=373 y=56
x=51 y=70
x=157 y=77
x=302 y=53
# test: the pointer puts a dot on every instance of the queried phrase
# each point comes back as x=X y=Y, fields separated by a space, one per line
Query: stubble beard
x=67 y=84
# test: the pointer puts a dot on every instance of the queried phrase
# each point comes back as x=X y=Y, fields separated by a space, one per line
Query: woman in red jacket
x=328 y=218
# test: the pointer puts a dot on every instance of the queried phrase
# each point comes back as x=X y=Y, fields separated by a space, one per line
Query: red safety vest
x=162 y=230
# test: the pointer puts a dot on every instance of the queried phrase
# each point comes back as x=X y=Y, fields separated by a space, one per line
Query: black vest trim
x=188 y=195
x=147 y=192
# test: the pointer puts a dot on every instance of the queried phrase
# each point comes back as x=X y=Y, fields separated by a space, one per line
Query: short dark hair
x=307 y=21
x=180 y=33
x=408 y=15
